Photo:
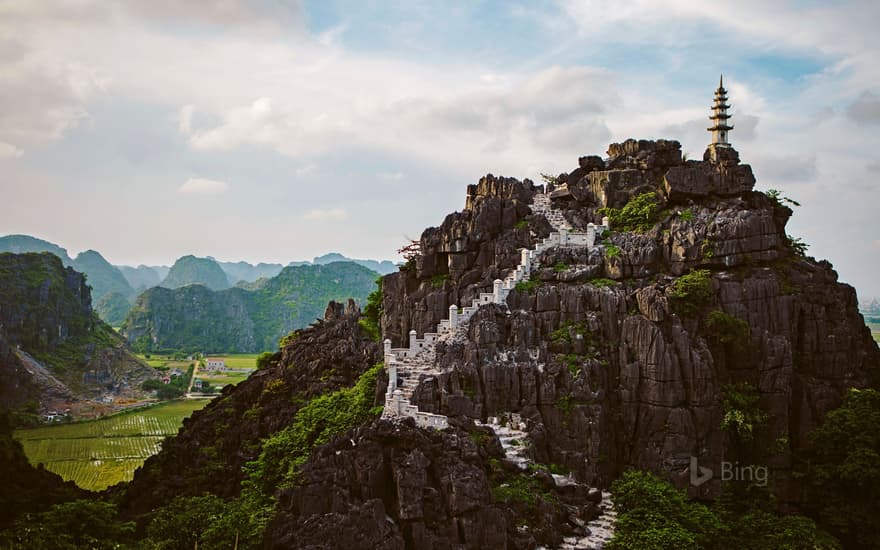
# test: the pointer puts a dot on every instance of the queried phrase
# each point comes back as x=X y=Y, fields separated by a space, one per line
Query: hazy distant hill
x=18 y=244
x=142 y=277
x=102 y=277
x=383 y=267
x=189 y=270
x=251 y=319
x=243 y=271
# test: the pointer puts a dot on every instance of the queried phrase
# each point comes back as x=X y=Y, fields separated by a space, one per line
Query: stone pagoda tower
x=719 y=127
x=720 y=117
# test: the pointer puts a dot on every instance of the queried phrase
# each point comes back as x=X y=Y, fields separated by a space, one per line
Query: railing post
x=412 y=340
x=497 y=284
x=453 y=316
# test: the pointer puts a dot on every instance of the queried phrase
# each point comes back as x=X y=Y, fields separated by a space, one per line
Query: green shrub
x=522 y=224
x=565 y=404
x=686 y=215
x=573 y=361
x=602 y=281
x=742 y=410
x=639 y=214
x=372 y=312
x=559 y=267
x=843 y=470
x=612 y=250
x=563 y=333
x=437 y=281
x=528 y=286
x=692 y=291
x=653 y=515
x=264 y=359
x=728 y=330
x=797 y=245
x=314 y=424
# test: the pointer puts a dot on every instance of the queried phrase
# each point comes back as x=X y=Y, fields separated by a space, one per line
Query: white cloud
x=203 y=186
x=319 y=214
x=7 y=150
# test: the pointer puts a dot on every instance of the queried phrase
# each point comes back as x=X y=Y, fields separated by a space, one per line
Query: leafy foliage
x=843 y=470
x=781 y=200
x=372 y=312
x=611 y=250
x=71 y=526
x=314 y=424
x=797 y=245
x=742 y=411
x=692 y=291
x=639 y=214
x=728 y=330
x=207 y=522
x=602 y=281
x=653 y=515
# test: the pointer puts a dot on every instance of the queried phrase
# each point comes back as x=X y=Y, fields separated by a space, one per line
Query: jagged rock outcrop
x=610 y=366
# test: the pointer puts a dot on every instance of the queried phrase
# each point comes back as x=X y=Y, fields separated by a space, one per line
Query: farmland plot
x=101 y=453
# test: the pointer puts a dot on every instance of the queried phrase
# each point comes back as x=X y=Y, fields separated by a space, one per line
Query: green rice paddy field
x=100 y=453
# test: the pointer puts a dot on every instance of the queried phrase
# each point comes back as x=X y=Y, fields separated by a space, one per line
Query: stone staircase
x=414 y=363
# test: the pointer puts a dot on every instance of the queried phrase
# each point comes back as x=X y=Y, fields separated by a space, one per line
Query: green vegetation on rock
x=639 y=214
x=235 y=320
x=314 y=424
x=189 y=270
x=692 y=291
x=653 y=515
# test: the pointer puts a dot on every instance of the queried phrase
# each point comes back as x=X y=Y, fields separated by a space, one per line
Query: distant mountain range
x=115 y=288
x=241 y=320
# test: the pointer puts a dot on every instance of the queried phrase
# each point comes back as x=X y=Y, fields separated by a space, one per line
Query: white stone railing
x=417 y=358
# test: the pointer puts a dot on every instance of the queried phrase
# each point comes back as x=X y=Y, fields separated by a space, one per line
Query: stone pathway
x=601 y=529
x=408 y=367
x=414 y=363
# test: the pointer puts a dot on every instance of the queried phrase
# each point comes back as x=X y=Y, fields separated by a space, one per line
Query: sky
x=270 y=130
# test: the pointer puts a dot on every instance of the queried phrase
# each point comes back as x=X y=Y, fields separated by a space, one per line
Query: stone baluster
x=412 y=341
x=453 y=316
x=496 y=289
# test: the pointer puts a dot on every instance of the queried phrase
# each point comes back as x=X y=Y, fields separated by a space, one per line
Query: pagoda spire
x=719 y=117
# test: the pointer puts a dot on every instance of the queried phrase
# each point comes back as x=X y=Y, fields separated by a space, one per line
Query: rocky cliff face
x=627 y=355
x=613 y=361
x=53 y=348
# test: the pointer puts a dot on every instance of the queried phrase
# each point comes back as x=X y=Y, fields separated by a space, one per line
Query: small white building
x=216 y=363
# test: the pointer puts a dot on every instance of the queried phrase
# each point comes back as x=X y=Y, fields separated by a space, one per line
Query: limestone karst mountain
x=190 y=270
x=241 y=320
x=567 y=365
x=54 y=350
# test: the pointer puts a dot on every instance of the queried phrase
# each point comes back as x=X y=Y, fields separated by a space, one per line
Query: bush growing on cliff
x=639 y=214
x=692 y=291
x=742 y=410
x=314 y=424
x=372 y=313
x=728 y=330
